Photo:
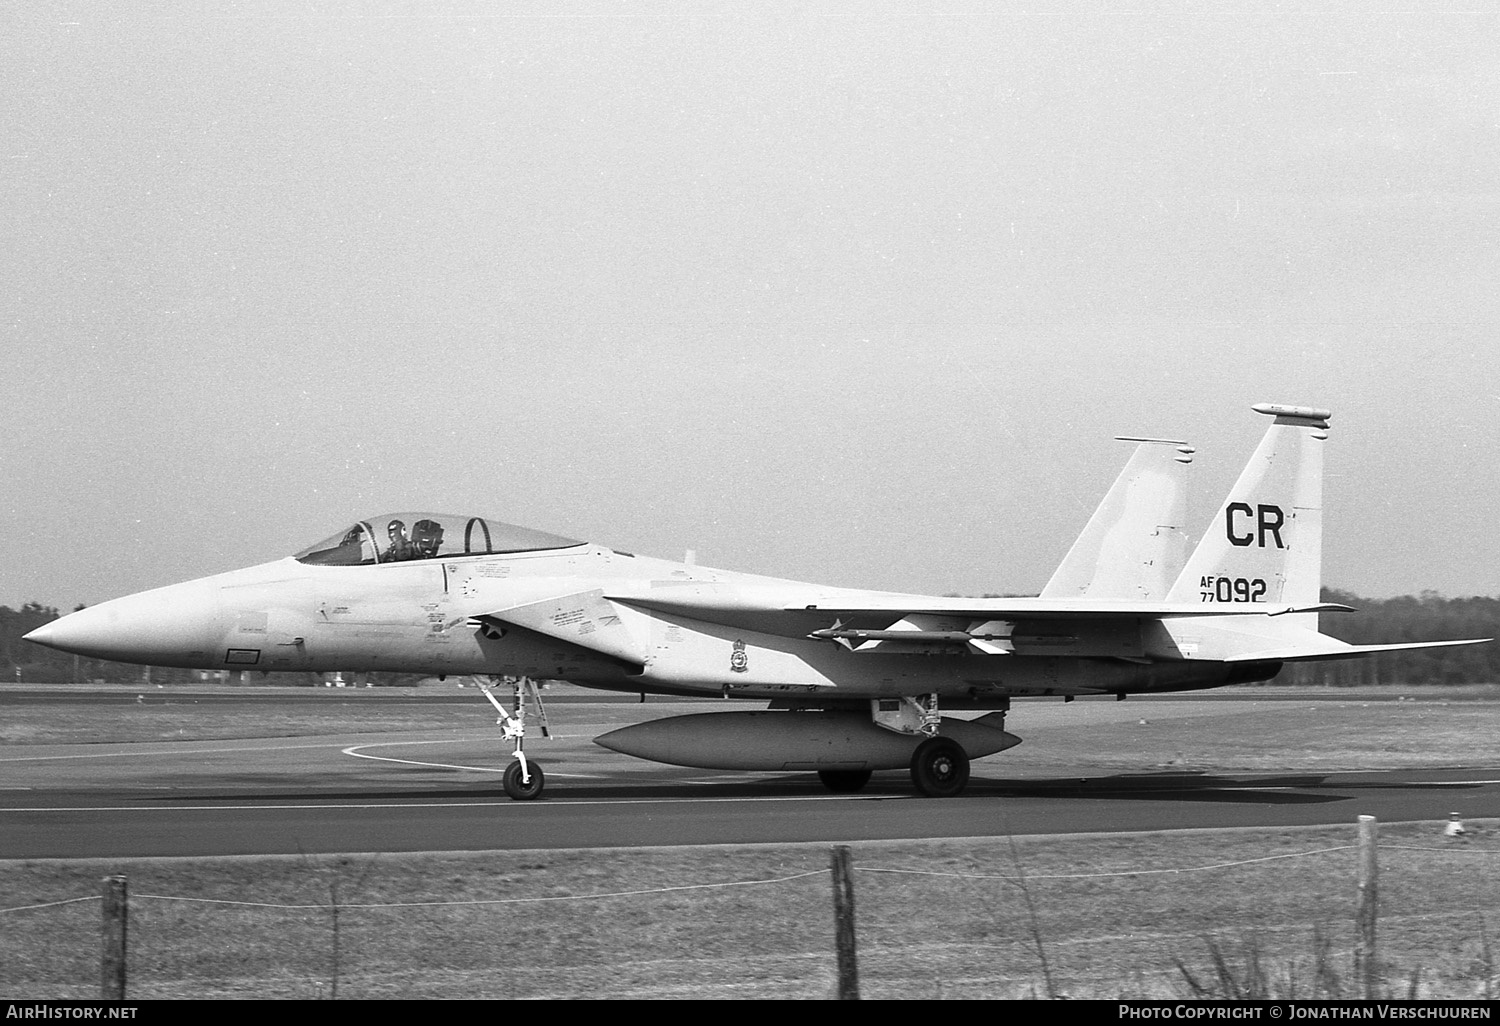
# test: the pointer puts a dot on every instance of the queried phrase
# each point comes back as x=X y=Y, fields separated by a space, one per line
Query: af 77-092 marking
x=855 y=680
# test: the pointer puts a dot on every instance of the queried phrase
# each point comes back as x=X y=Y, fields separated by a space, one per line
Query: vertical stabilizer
x=1265 y=542
x=1134 y=545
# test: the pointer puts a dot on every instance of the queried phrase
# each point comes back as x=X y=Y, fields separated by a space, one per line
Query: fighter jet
x=855 y=680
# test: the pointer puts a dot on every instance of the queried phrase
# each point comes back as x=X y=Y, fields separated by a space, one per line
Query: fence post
x=1366 y=913
x=112 y=962
x=843 y=923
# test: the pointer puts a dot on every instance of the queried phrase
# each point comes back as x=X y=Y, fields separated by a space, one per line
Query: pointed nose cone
x=175 y=626
x=43 y=635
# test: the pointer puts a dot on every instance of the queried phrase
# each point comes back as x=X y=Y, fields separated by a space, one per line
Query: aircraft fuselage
x=431 y=617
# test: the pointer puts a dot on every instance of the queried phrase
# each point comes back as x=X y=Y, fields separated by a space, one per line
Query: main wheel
x=940 y=767
x=844 y=781
x=518 y=789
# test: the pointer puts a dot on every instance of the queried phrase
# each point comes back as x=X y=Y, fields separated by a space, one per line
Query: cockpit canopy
x=399 y=537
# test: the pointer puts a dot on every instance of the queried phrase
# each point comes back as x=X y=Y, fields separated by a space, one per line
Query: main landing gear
x=523 y=778
x=940 y=767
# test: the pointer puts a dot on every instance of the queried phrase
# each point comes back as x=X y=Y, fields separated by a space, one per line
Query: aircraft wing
x=1045 y=609
x=890 y=622
x=586 y=619
x=727 y=605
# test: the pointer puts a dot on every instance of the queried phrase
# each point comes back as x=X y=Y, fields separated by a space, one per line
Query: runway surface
x=439 y=789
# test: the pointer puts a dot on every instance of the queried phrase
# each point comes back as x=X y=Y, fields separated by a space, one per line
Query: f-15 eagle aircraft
x=856 y=680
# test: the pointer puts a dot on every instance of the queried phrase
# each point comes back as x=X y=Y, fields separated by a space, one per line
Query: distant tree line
x=1427 y=617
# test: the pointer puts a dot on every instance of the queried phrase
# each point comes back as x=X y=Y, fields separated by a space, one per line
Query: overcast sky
x=847 y=297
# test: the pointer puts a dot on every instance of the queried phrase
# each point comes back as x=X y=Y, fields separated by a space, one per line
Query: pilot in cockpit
x=400 y=546
x=426 y=538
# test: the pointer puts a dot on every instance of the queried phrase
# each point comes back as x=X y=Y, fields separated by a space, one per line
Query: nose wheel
x=523 y=780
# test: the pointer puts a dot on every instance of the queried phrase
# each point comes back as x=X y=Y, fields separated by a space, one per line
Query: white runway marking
x=175 y=751
x=499 y=804
x=1336 y=784
x=229 y=747
x=354 y=750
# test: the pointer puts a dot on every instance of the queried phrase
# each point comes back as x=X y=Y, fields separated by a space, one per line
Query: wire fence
x=1139 y=917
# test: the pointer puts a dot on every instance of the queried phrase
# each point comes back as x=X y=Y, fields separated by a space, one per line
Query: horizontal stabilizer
x=1339 y=650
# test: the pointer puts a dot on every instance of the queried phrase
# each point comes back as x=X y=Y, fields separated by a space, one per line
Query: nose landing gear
x=523 y=779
